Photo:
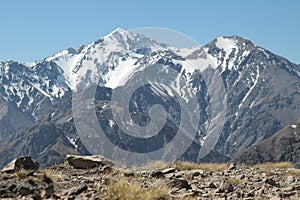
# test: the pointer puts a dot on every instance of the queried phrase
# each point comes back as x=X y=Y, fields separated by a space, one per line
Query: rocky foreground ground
x=97 y=178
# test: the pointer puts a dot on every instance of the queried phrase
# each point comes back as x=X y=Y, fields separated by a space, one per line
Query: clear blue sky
x=32 y=30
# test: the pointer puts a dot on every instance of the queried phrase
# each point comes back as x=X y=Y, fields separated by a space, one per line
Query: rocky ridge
x=282 y=146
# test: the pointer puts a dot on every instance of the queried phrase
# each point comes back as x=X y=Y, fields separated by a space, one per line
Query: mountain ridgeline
x=261 y=92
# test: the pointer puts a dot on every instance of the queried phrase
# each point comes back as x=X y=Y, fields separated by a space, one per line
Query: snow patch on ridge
x=226 y=44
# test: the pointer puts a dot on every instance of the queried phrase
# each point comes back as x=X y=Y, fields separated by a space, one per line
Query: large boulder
x=87 y=162
x=25 y=163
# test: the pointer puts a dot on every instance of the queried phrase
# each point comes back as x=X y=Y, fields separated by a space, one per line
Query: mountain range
x=261 y=91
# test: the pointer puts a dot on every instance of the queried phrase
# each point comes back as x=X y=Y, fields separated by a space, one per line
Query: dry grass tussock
x=277 y=165
x=53 y=174
x=22 y=173
x=123 y=190
x=156 y=165
x=201 y=166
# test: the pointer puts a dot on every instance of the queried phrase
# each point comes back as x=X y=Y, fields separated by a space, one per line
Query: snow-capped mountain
x=27 y=92
x=104 y=59
x=261 y=89
x=34 y=87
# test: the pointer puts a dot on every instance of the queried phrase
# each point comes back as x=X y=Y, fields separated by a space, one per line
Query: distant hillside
x=282 y=146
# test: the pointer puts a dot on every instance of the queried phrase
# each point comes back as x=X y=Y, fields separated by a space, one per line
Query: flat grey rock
x=87 y=162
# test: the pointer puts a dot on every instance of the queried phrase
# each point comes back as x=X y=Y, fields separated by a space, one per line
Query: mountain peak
x=119 y=37
x=230 y=42
x=234 y=38
x=226 y=43
x=118 y=32
x=7 y=61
